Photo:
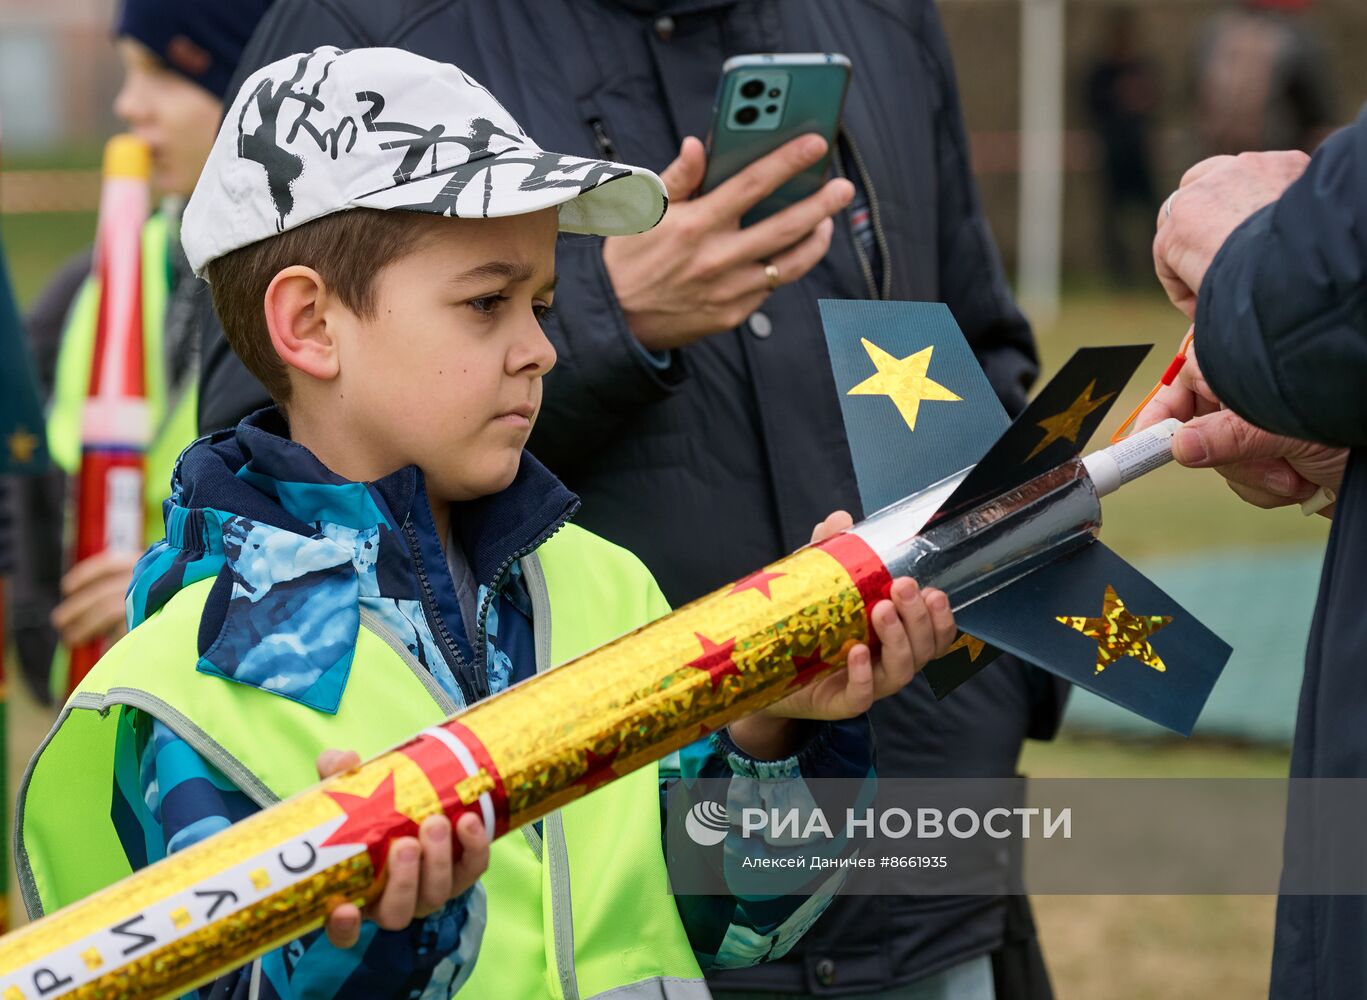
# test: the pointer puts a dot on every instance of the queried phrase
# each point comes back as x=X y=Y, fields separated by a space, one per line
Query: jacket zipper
x=465 y=672
x=482 y=615
x=875 y=217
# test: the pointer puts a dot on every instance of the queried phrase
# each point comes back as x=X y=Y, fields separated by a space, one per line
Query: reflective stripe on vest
x=589 y=915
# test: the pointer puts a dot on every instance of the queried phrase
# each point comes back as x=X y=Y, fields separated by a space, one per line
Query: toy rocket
x=115 y=427
x=1013 y=528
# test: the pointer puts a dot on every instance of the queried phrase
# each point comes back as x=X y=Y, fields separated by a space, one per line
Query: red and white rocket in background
x=115 y=425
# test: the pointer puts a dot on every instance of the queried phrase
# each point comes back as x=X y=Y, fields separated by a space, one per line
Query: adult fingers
x=793 y=224
x=1225 y=438
x=397 y=903
x=1273 y=476
x=738 y=194
x=794 y=263
x=434 y=886
x=685 y=173
x=1199 y=170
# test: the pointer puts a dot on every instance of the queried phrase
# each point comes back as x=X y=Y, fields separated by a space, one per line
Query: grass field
x=1117 y=948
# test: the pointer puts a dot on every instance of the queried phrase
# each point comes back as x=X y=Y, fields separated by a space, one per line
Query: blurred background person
x=1261 y=80
x=177 y=58
x=1122 y=92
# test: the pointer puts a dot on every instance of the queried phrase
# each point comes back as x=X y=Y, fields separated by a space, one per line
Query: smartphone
x=762 y=102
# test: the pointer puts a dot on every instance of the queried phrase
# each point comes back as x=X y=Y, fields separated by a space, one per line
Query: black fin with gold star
x=1095 y=620
x=23 y=445
x=916 y=404
x=1055 y=426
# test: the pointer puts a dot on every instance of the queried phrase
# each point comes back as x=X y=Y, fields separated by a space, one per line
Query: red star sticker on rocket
x=372 y=820
x=807 y=666
x=715 y=659
x=759 y=580
x=598 y=769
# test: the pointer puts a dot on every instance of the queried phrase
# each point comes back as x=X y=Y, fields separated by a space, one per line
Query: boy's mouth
x=519 y=416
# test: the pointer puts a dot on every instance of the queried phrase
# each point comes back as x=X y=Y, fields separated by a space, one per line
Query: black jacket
x=723 y=460
x=1281 y=333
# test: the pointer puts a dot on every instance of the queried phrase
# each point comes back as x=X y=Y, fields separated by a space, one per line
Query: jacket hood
x=297 y=553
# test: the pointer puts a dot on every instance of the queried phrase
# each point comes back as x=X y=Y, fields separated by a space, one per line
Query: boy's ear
x=296 y=318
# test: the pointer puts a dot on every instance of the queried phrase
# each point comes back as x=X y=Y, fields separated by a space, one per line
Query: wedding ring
x=1167 y=205
x=771 y=272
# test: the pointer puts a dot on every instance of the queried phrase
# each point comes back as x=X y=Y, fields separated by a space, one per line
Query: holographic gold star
x=1119 y=634
x=1068 y=424
x=22 y=445
x=973 y=644
x=903 y=380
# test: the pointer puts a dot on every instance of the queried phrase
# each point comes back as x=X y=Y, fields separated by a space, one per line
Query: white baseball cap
x=324 y=131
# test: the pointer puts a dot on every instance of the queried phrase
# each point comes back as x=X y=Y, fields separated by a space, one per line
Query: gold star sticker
x=973 y=644
x=903 y=380
x=22 y=445
x=1068 y=424
x=1119 y=634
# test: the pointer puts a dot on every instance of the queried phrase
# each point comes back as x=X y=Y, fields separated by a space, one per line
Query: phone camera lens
x=747 y=115
x=771 y=109
x=752 y=88
x=773 y=93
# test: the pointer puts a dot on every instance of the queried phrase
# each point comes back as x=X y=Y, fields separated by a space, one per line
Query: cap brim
x=594 y=196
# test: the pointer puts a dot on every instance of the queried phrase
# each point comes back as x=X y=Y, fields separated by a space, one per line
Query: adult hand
x=914 y=627
x=92 y=598
x=1263 y=469
x=1215 y=196
x=698 y=272
x=420 y=875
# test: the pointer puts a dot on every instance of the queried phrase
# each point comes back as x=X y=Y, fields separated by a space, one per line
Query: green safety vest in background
x=172 y=431
x=580 y=911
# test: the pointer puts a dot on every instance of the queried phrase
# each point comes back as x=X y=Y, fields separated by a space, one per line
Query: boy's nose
x=534 y=354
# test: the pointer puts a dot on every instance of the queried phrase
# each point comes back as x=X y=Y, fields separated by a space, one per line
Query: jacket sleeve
x=972 y=282
x=602 y=375
x=227 y=391
x=1281 y=316
x=776 y=890
x=167 y=797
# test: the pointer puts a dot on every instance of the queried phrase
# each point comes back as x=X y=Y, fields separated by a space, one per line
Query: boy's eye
x=487 y=305
x=542 y=311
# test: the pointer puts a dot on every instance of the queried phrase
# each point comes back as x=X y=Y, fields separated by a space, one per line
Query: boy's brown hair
x=348 y=249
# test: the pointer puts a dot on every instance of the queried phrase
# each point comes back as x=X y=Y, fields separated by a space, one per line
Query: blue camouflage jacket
x=297 y=553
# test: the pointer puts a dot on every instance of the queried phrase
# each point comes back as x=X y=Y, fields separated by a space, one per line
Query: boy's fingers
x=474 y=853
x=394 y=909
x=332 y=762
x=941 y=621
x=859 y=684
x=344 y=926
x=915 y=621
x=887 y=625
x=434 y=888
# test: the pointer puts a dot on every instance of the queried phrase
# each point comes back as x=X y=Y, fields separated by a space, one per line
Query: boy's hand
x=92 y=598
x=420 y=874
x=914 y=628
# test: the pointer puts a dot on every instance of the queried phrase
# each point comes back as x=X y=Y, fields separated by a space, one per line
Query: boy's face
x=176 y=118
x=446 y=374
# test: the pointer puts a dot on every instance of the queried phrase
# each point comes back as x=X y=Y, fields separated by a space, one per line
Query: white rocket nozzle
x=1149 y=449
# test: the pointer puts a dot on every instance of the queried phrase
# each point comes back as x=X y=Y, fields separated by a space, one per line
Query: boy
x=379 y=235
